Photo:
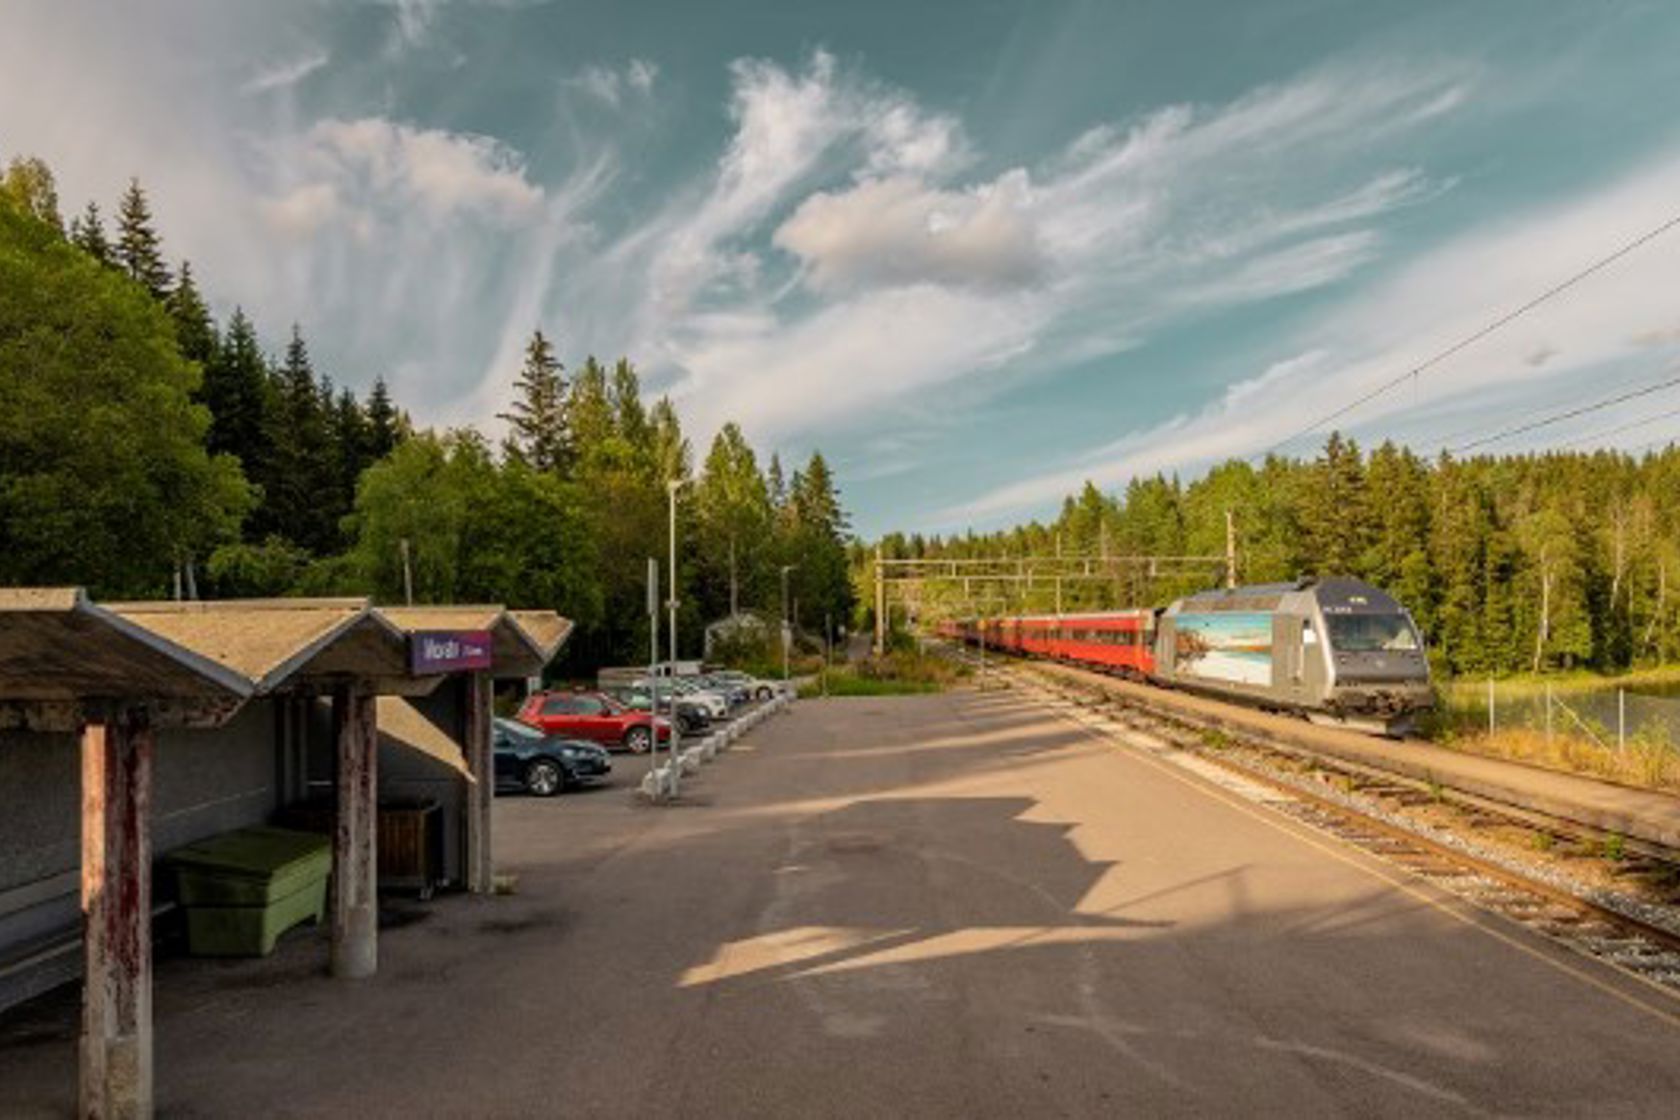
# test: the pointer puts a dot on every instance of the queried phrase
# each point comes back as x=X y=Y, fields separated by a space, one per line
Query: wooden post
x=355 y=922
x=116 y=1046
x=481 y=866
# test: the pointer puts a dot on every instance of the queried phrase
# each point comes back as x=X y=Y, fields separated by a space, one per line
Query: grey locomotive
x=1335 y=650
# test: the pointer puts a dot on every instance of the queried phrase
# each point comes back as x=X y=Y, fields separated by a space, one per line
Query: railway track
x=1372 y=811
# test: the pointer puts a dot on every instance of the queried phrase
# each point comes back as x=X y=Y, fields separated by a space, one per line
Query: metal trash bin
x=241 y=890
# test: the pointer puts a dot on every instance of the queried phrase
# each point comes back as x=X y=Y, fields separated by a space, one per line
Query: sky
x=976 y=253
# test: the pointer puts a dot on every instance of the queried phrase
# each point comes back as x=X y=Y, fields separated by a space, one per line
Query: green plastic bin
x=242 y=890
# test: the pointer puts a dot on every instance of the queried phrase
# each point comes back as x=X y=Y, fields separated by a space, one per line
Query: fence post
x=1621 y=719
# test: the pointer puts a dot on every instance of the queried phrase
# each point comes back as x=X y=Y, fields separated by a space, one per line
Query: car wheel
x=764 y=693
x=637 y=740
x=544 y=778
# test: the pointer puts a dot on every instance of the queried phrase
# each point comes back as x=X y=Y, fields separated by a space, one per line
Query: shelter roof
x=402 y=723
x=546 y=630
x=57 y=647
x=281 y=643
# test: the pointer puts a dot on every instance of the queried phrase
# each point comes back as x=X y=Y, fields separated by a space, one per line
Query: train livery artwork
x=1333 y=650
x=1235 y=647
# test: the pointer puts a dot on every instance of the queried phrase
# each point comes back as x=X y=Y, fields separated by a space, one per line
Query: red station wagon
x=593 y=716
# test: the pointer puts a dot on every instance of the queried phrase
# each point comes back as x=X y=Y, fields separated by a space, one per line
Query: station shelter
x=130 y=729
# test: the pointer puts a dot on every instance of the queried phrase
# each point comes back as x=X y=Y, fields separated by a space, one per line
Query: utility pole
x=408 y=573
x=653 y=658
x=1230 y=549
x=734 y=588
x=880 y=605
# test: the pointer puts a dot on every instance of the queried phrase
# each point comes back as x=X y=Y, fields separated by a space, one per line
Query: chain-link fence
x=1605 y=729
x=1608 y=715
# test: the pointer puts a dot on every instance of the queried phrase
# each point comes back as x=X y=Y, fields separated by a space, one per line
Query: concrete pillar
x=481 y=762
x=355 y=921
x=116 y=1045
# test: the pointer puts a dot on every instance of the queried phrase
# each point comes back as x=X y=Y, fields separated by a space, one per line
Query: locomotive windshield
x=1371 y=633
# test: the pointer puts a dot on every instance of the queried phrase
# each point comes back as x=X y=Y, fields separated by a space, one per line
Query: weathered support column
x=476 y=713
x=116 y=1048
x=355 y=920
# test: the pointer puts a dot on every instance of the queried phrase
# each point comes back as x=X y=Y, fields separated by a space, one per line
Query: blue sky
x=975 y=252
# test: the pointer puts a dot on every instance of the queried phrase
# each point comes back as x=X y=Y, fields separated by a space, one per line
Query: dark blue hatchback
x=538 y=763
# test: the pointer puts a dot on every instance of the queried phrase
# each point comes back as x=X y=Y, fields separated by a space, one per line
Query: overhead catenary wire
x=1568 y=414
x=1620 y=428
x=1476 y=336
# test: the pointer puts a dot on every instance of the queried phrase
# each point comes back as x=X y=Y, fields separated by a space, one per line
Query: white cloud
x=895 y=275
x=284 y=75
x=1614 y=329
x=899 y=231
x=375 y=162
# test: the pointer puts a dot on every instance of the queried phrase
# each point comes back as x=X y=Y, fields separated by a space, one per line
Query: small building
x=130 y=729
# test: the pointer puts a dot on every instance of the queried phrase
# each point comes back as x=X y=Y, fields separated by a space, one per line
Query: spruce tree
x=88 y=232
x=236 y=392
x=538 y=433
x=305 y=471
x=194 y=329
x=138 y=249
x=383 y=431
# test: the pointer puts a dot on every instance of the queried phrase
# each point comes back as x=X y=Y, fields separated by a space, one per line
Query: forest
x=1513 y=563
x=148 y=450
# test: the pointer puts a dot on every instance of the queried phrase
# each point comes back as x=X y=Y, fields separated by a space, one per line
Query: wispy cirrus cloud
x=612 y=85
x=284 y=75
x=1619 y=329
x=837 y=253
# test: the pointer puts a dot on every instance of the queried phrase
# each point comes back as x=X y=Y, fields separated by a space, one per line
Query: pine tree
x=384 y=431
x=352 y=436
x=194 y=328
x=538 y=432
x=305 y=469
x=236 y=392
x=1334 y=510
x=88 y=232
x=138 y=249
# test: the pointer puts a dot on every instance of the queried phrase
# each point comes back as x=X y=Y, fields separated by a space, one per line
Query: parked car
x=596 y=717
x=737 y=693
x=691 y=717
x=758 y=689
x=543 y=764
x=715 y=706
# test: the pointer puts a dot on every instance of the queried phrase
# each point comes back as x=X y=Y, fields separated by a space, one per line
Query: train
x=1334 y=650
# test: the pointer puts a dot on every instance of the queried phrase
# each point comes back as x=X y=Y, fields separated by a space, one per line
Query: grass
x=843 y=682
x=1645 y=762
x=899 y=673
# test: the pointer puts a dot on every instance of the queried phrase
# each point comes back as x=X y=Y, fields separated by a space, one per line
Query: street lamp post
x=787 y=637
x=671 y=488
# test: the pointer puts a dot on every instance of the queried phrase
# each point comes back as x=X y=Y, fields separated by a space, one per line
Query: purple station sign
x=448 y=651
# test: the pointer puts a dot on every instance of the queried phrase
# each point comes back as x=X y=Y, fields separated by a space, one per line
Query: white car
x=757 y=689
x=716 y=707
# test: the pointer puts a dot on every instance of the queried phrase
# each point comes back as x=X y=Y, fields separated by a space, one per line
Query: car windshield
x=518 y=730
x=1371 y=633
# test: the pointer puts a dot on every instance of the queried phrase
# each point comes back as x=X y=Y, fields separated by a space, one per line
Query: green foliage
x=28 y=186
x=140 y=437
x=239 y=570
x=104 y=478
x=538 y=433
x=1531 y=562
x=138 y=249
x=477 y=531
